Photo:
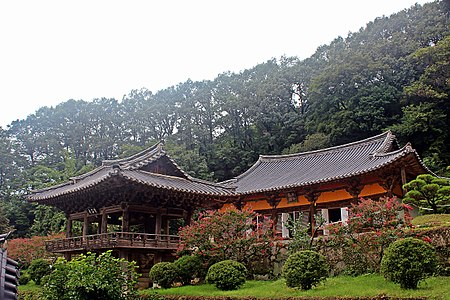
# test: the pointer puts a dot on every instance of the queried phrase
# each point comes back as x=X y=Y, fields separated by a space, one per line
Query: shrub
x=240 y=235
x=305 y=269
x=24 y=278
x=164 y=274
x=91 y=277
x=227 y=275
x=25 y=250
x=408 y=261
x=189 y=267
x=38 y=269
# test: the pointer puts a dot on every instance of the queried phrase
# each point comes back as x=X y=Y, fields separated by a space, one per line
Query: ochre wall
x=260 y=203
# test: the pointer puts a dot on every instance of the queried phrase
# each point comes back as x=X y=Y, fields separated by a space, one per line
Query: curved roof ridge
x=387 y=136
x=135 y=157
x=82 y=176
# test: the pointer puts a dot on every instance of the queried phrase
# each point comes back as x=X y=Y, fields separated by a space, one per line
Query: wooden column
x=188 y=217
x=125 y=219
x=403 y=175
x=273 y=201
x=104 y=223
x=312 y=197
x=69 y=227
x=158 y=223
x=85 y=224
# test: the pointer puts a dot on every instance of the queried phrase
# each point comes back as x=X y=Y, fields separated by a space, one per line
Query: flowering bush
x=232 y=234
x=371 y=227
x=25 y=250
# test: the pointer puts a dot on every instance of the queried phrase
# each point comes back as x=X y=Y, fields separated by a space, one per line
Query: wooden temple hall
x=135 y=205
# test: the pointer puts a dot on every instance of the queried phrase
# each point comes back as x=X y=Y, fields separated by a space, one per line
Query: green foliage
x=227 y=275
x=38 y=269
x=231 y=234
x=433 y=220
x=372 y=225
x=164 y=274
x=189 y=268
x=408 y=261
x=370 y=286
x=24 y=277
x=305 y=269
x=428 y=192
x=91 y=277
x=47 y=220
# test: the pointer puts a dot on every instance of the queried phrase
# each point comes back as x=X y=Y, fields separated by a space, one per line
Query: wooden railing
x=114 y=240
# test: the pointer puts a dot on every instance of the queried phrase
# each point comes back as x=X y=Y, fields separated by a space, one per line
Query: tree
x=243 y=236
x=428 y=193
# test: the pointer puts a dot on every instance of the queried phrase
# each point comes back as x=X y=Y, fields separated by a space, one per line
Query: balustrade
x=114 y=240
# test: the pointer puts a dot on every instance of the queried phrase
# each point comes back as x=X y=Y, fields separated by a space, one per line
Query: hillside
x=392 y=74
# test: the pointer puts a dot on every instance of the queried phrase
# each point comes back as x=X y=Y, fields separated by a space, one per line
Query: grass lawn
x=432 y=220
x=342 y=286
x=30 y=286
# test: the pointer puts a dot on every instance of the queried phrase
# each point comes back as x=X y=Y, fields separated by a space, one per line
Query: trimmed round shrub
x=164 y=274
x=305 y=269
x=189 y=267
x=227 y=275
x=408 y=261
x=38 y=269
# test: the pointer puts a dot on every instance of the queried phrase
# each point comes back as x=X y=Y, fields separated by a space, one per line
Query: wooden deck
x=128 y=240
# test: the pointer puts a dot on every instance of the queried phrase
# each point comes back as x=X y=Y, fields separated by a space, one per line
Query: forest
x=393 y=74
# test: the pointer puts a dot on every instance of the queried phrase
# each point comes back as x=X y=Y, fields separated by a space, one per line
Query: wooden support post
x=188 y=217
x=403 y=175
x=85 y=224
x=104 y=223
x=312 y=197
x=158 y=223
x=273 y=201
x=69 y=227
x=125 y=220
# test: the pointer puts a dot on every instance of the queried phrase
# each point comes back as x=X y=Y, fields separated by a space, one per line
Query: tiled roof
x=130 y=169
x=276 y=172
x=269 y=173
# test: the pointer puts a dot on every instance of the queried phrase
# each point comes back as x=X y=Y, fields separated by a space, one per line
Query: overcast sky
x=53 y=51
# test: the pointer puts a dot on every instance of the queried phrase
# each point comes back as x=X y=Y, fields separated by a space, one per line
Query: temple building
x=135 y=205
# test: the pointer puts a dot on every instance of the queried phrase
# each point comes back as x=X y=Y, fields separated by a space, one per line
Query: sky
x=52 y=50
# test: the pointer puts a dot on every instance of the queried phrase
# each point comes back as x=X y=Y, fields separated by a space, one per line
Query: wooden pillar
x=273 y=201
x=85 y=224
x=166 y=225
x=158 y=223
x=403 y=175
x=67 y=256
x=104 y=222
x=125 y=219
x=312 y=197
x=188 y=217
x=69 y=227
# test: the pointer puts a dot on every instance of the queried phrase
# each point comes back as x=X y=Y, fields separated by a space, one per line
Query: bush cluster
x=164 y=274
x=227 y=275
x=38 y=269
x=305 y=269
x=91 y=277
x=408 y=261
x=189 y=267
